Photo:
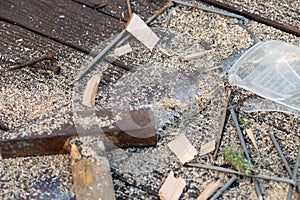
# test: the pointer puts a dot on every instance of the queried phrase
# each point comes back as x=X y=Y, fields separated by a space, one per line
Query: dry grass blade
x=129 y=7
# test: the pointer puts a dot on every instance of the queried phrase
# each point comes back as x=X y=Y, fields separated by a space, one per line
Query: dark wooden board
x=64 y=21
x=17 y=46
x=119 y=10
x=134 y=128
x=281 y=15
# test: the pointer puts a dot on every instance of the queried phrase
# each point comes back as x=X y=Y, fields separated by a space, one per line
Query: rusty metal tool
x=52 y=134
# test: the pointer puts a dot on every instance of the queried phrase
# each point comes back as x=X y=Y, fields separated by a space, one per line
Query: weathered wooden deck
x=70 y=29
x=63 y=25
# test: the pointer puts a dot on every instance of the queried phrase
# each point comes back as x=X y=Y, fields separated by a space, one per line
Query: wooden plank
x=114 y=8
x=18 y=45
x=64 y=21
x=117 y=128
x=119 y=10
x=146 y=8
x=28 y=93
x=252 y=11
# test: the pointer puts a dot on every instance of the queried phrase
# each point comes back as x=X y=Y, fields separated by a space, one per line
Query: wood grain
x=64 y=21
x=91 y=174
x=119 y=10
x=134 y=128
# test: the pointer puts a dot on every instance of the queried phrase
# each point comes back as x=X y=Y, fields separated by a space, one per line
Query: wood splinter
x=91 y=91
x=139 y=29
x=209 y=190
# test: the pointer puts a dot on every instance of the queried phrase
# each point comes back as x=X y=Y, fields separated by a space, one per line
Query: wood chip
x=74 y=153
x=164 y=52
x=139 y=29
x=251 y=136
x=120 y=51
x=209 y=190
x=183 y=149
x=91 y=91
x=172 y=188
x=194 y=56
x=207 y=148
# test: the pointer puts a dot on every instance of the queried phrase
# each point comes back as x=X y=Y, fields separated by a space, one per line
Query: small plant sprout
x=238 y=160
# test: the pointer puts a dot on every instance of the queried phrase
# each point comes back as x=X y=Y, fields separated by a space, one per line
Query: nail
x=287 y=167
x=48 y=56
x=294 y=177
x=240 y=134
x=208 y=9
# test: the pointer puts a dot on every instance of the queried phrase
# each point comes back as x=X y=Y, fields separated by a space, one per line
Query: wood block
x=183 y=149
x=207 y=148
x=139 y=29
x=209 y=190
x=172 y=188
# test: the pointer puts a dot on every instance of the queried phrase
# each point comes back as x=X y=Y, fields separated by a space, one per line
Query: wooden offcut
x=139 y=29
x=183 y=149
x=122 y=50
x=209 y=190
x=91 y=91
x=172 y=188
x=207 y=148
x=193 y=56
